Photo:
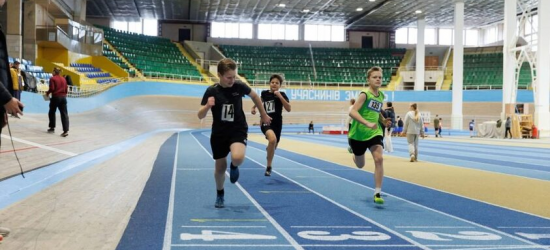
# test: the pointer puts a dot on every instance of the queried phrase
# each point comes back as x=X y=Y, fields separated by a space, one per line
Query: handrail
x=427 y=68
x=168 y=76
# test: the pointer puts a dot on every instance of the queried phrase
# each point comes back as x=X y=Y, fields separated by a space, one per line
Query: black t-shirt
x=228 y=111
x=390 y=113
x=273 y=106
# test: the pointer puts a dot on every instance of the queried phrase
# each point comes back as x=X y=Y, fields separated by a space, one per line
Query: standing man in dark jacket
x=58 y=89
x=7 y=102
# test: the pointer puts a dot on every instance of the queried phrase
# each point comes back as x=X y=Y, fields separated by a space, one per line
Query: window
x=117 y=25
x=401 y=36
x=291 y=32
x=338 y=33
x=135 y=27
x=278 y=31
x=471 y=38
x=150 y=27
x=323 y=33
x=231 y=30
x=310 y=33
x=335 y=33
x=491 y=35
x=429 y=37
x=264 y=31
x=412 y=35
x=245 y=30
x=445 y=37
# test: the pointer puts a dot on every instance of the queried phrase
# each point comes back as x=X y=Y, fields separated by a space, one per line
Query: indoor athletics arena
x=463 y=164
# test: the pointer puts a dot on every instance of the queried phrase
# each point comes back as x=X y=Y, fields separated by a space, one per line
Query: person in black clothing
x=310 y=128
x=399 y=125
x=229 y=127
x=8 y=104
x=274 y=102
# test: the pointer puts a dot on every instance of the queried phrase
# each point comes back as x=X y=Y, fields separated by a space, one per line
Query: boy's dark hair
x=280 y=78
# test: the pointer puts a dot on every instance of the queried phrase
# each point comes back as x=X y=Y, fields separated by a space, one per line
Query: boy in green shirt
x=365 y=132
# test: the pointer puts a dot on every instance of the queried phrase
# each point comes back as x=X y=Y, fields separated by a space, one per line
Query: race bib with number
x=375 y=105
x=228 y=113
x=269 y=106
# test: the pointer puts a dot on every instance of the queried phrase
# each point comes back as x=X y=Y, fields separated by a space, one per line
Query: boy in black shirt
x=274 y=101
x=229 y=128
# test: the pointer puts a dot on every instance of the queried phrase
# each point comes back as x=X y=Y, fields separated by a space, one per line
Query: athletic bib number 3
x=269 y=106
x=228 y=113
x=375 y=105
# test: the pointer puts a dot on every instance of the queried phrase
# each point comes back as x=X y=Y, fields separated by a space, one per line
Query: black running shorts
x=221 y=144
x=276 y=129
x=360 y=147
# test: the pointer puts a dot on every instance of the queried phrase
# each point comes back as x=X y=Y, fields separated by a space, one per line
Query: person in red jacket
x=58 y=100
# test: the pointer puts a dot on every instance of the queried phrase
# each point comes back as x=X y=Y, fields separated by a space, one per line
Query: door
x=184 y=35
x=366 y=42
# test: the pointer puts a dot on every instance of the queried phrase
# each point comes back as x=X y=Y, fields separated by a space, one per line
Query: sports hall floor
x=137 y=174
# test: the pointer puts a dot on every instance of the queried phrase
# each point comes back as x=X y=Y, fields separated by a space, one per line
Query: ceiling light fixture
x=418 y=12
x=305 y=11
x=282 y=5
x=359 y=9
x=372 y=0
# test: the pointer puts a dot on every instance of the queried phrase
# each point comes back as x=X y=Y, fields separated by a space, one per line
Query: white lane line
x=330 y=227
x=40 y=146
x=431 y=227
x=279 y=228
x=416 y=204
x=224 y=226
x=347 y=209
x=170 y=215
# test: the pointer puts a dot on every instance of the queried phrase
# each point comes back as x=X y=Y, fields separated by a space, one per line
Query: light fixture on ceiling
x=418 y=12
x=305 y=10
x=282 y=5
x=359 y=9
x=372 y=0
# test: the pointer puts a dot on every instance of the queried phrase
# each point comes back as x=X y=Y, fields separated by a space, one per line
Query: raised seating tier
x=331 y=64
x=150 y=55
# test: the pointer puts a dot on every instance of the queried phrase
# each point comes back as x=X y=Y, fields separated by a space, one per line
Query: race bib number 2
x=228 y=113
x=375 y=105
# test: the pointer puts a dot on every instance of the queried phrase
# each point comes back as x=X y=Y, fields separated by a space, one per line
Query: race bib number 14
x=228 y=113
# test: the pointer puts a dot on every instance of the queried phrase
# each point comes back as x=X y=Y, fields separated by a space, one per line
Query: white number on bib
x=269 y=106
x=228 y=113
x=375 y=105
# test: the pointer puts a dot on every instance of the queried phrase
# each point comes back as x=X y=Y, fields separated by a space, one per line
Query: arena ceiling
x=355 y=14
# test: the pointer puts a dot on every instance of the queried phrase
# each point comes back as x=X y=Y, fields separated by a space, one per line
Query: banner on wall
x=318 y=95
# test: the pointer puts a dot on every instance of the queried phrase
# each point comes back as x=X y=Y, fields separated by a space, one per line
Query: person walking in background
x=17 y=80
x=508 y=126
x=471 y=127
x=366 y=132
x=400 y=125
x=58 y=100
x=440 y=128
x=436 y=125
x=310 y=128
x=390 y=115
x=413 y=128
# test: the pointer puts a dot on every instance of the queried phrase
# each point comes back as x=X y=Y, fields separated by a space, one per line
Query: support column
x=29 y=33
x=458 y=66
x=542 y=96
x=509 y=60
x=13 y=35
x=420 y=54
x=80 y=11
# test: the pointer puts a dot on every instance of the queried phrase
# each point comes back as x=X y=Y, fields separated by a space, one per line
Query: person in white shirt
x=413 y=128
